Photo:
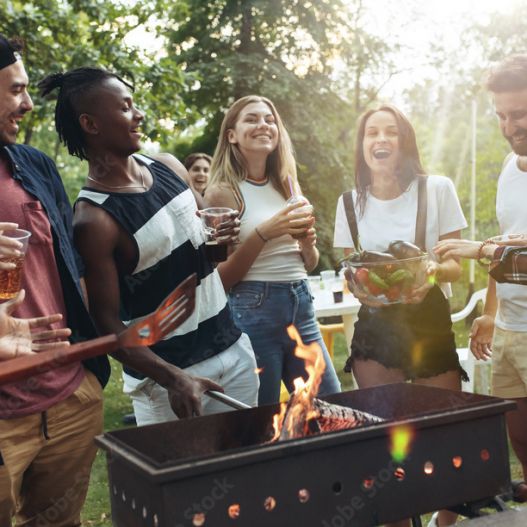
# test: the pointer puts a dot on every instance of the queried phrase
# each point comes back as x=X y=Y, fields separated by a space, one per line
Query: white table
x=347 y=309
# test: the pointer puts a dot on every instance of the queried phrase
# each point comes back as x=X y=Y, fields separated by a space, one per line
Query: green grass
x=97 y=508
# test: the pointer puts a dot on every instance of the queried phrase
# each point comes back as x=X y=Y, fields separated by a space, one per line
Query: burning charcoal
x=333 y=417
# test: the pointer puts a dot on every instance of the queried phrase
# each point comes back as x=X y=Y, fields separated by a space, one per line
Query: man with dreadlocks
x=137 y=231
x=47 y=423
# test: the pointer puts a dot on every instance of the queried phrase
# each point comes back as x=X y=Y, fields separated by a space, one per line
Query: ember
x=304 y=415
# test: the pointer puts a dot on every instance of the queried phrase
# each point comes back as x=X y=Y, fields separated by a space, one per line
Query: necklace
x=142 y=185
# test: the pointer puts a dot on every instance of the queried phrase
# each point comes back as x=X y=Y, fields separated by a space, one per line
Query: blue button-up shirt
x=38 y=176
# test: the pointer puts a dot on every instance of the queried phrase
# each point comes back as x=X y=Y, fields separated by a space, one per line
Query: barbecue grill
x=221 y=470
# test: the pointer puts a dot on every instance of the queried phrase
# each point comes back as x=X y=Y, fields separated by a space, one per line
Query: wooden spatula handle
x=28 y=365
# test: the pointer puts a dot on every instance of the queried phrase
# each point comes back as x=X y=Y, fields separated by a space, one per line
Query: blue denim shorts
x=263 y=310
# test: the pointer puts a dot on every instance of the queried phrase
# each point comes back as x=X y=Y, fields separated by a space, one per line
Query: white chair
x=466 y=359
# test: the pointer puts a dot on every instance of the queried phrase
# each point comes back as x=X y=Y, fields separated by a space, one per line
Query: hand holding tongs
x=170 y=314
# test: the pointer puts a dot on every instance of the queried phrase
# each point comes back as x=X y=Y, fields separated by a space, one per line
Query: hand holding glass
x=11 y=271
x=212 y=219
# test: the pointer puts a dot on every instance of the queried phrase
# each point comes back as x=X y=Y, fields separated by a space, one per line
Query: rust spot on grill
x=399 y=474
x=303 y=495
x=234 y=511
x=367 y=483
x=269 y=504
x=457 y=461
x=198 y=519
x=429 y=468
x=485 y=455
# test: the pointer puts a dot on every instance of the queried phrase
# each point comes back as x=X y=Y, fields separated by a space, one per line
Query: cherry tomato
x=393 y=293
x=361 y=275
x=374 y=289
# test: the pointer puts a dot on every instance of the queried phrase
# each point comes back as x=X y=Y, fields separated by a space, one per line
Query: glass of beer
x=11 y=279
x=211 y=219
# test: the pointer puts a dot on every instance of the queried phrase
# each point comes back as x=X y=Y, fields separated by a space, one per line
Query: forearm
x=310 y=255
x=241 y=260
x=145 y=361
x=448 y=271
x=491 y=301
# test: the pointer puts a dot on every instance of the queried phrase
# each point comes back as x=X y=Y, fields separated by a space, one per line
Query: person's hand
x=286 y=221
x=309 y=239
x=184 y=393
x=481 y=335
x=455 y=248
x=9 y=248
x=362 y=297
x=418 y=294
x=19 y=336
x=228 y=231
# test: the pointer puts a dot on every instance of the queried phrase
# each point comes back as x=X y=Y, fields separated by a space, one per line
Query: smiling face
x=511 y=109
x=199 y=174
x=380 y=145
x=114 y=123
x=255 y=130
x=15 y=101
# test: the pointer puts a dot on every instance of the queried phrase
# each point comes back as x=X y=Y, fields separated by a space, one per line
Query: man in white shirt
x=502 y=329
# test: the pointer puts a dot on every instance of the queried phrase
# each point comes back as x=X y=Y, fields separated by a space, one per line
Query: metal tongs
x=169 y=315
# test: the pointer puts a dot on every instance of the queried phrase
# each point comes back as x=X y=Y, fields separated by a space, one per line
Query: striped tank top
x=170 y=246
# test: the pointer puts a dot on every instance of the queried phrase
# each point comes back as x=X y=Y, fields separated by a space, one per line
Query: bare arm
x=449 y=269
x=97 y=239
x=482 y=329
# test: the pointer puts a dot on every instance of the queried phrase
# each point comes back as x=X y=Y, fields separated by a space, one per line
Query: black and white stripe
x=170 y=246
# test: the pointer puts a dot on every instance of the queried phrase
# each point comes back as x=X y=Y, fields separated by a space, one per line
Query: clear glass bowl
x=387 y=282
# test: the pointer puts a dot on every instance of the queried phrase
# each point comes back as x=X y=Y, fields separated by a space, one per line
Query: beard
x=519 y=147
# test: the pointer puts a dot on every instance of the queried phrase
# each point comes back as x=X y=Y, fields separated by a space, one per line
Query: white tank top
x=280 y=259
x=512 y=217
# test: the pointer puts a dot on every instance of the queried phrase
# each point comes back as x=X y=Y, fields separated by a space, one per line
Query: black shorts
x=415 y=338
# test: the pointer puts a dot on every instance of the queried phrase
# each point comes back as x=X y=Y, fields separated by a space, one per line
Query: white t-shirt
x=511 y=210
x=384 y=221
x=280 y=259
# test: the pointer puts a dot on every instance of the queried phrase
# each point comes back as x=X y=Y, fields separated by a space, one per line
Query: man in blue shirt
x=48 y=422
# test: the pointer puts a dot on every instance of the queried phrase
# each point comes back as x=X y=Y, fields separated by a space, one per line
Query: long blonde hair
x=229 y=167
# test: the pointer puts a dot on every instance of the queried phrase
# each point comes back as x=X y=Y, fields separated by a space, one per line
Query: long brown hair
x=409 y=166
x=230 y=167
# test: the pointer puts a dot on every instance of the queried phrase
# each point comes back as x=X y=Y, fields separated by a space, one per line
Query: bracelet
x=260 y=234
x=484 y=261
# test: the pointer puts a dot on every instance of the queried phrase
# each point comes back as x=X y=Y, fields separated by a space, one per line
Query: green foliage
x=285 y=50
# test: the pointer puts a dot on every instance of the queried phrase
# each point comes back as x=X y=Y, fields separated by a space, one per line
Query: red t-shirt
x=44 y=296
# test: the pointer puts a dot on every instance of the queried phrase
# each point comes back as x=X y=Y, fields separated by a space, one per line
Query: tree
x=286 y=50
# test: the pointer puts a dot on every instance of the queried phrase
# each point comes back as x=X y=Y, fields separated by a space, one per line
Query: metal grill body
x=218 y=470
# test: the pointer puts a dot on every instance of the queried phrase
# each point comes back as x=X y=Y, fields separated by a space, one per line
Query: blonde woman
x=254 y=170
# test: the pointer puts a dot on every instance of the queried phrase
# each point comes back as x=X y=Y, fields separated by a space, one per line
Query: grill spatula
x=170 y=314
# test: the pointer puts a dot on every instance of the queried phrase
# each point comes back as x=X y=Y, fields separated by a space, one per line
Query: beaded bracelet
x=260 y=234
x=484 y=261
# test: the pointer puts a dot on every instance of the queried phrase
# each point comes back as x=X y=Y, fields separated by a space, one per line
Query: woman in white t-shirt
x=253 y=170
x=413 y=341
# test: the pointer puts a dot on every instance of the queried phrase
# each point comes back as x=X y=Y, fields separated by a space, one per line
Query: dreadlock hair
x=75 y=90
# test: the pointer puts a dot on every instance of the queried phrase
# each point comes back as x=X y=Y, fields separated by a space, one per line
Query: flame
x=401 y=438
x=300 y=407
